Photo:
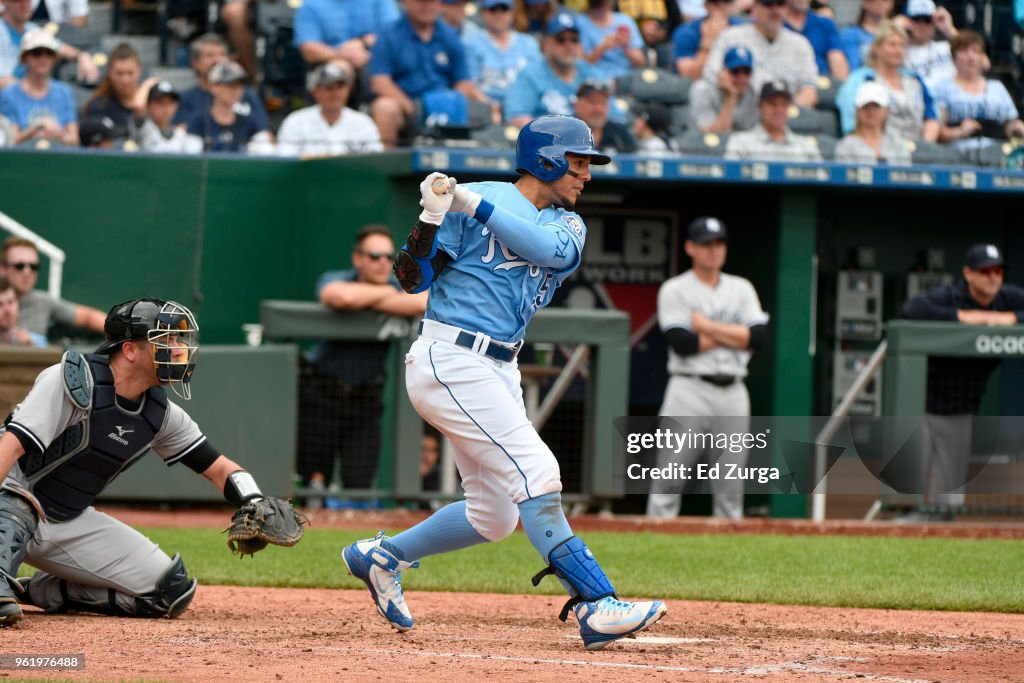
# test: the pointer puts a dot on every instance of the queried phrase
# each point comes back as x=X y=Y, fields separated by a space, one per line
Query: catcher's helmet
x=168 y=326
x=544 y=142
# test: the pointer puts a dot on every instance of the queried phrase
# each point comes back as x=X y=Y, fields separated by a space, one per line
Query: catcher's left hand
x=262 y=521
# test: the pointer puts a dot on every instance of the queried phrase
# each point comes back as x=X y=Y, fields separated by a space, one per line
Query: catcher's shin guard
x=17 y=524
x=573 y=563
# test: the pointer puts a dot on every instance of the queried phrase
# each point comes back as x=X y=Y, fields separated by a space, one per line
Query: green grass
x=901 y=573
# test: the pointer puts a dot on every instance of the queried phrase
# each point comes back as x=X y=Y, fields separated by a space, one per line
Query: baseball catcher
x=85 y=421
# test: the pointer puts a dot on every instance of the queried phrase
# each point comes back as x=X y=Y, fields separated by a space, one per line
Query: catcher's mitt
x=262 y=521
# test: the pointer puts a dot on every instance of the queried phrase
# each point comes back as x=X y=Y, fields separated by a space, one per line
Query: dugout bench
x=605 y=332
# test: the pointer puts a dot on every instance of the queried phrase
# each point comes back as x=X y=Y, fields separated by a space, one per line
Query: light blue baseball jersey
x=488 y=288
x=614 y=62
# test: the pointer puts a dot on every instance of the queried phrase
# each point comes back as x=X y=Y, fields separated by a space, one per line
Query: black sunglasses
x=563 y=39
x=923 y=19
x=378 y=255
x=740 y=71
x=22 y=265
x=772 y=3
x=40 y=51
x=497 y=8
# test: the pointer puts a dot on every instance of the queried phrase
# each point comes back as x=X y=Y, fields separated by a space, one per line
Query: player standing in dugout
x=492 y=254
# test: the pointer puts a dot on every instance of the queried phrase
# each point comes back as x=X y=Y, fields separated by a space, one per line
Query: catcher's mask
x=171 y=330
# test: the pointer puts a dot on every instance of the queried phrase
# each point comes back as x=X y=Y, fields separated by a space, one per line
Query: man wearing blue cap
x=550 y=86
x=730 y=104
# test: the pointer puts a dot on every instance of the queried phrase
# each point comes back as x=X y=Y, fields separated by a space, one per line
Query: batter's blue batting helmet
x=544 y=142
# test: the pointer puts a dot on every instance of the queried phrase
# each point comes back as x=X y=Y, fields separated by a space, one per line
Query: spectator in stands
x=223 y=127
x=772 y=140
x=731 y=103
x=158 y=132
x=822 y=34
x=592 y=106
x=6 y=132
x=912 y=111
x=342 y=384
x=692 y=42
x=15 y=23
x=651 y=131
x=453 y=13
x=549 y=87
x=204 y=52
x=975 y=111
x=870 y=142
x=955 y=385
x=329 y=127
x=73 y=12
x=533 y=16
x=100 y=132
x=10 y=331
x=498 y=53
x=611 y=40
x=37 y=308
x=326 y=30
x=120 y=96
x=856 y=40
x=38 y=106
x=930 y=58
x=419 y=57
x=656 y=19
x=779 y=54
x=237 y=18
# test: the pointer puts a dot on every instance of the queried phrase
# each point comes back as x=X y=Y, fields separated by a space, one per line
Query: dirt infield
x=256 y=634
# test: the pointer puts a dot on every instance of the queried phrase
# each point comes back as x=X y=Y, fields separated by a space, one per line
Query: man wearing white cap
x=930 y=58
x=870 y=142
x=37 y=106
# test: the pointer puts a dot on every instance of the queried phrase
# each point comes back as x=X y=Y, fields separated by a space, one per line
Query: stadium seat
x=680 y=119
x=813 y=121
x=992 y=156
x=934 y=153
x=654 y=85
x=704 y=144
x=827 y=89
x=827 y=146
x=498 y=136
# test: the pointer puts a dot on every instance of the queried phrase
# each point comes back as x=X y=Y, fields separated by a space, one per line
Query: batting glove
x=435 y=206
x=465 y=201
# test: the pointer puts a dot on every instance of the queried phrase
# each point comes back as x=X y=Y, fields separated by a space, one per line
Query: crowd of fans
x=770 y=79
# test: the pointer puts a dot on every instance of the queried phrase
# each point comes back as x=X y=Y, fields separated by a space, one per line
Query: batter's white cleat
x=608 y=619
x=381 y=571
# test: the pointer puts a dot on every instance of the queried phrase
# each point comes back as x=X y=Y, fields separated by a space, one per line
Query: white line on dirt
x=654 y=640
x=748 y=671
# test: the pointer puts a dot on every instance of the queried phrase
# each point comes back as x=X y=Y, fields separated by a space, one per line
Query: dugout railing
x=605 y=332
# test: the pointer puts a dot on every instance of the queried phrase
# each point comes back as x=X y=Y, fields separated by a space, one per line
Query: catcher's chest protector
x=87 y=456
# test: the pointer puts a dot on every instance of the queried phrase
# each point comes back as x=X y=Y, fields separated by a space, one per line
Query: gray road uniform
x=705 y=391
x=78 y=436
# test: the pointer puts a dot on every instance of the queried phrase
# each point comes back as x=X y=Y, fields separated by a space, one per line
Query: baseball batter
x=85 y=421
x=491 y=255
x=711 y=321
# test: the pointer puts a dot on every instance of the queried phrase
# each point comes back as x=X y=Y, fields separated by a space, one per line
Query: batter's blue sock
x=546 y=526
x=442 y=532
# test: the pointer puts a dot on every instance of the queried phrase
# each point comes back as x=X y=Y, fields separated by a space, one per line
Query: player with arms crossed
x=85 y=421
x=492 y=254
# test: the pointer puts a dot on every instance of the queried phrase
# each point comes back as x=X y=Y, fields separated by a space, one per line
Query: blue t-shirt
x=220 y=138
x=417 y=67
x=686 y=38
x=822 y=34
x=486 y=287
x=538 y=91
x=196 y=100
x=58 y=104
x=494 y=69
x=614 y=62
x=994 y=104
x=333 y=22
x=855 y=42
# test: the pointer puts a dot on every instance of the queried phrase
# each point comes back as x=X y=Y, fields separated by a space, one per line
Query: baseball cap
x=487 y=4
x=98 y=129
x=562 y=21
x=983 y=255
x=773 y=89
x=38 y=39
x=920 y=8
x=591 y=86
x=227 y=72
x=871 y=92
x=160 y=90
x=326 y=74
x=536 y=2
x=738 y=58
x=656 y=115
x=706 y=229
